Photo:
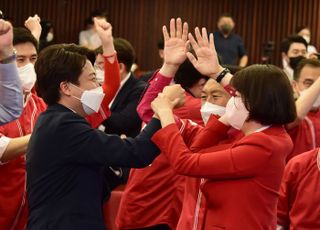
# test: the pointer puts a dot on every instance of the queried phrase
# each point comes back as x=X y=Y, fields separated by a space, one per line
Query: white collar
x=262 y=128
x=121 y=85
x=124 y=80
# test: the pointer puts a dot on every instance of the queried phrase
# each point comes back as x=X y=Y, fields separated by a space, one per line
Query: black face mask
x=294 y=61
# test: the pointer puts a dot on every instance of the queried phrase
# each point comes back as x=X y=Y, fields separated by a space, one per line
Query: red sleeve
x=190 y=110
x=213 y=127
x=230 y=90
x=189 y=130
x=110 y=87
x=156 y=85
x=245 y=159
x=287 y=194
x=111 y=80
x=3 y=130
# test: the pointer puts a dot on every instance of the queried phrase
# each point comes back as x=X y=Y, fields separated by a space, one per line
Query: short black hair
x=22 y=35
x=125 y=52
x=56 y=64
x=225 y=15
x=96 y=13
x=46 y=26
x=98 y=50
x=267 y=94
x=286 y=43
x=90 y=54
x=301 y=27
x=187 y=75
x=305 y=62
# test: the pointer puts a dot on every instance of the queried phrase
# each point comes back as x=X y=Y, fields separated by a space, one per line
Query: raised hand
x=206 y=61
x=6 y=39
x=104 y=30
x=174 y=46
x=33 y=24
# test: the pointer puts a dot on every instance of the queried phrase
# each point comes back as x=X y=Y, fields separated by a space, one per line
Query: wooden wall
x=140 y=21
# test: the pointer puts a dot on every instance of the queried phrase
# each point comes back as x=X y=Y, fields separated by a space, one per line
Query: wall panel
x=140 y=21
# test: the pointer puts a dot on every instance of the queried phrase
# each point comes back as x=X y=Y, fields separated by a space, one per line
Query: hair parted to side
x=125 y=52
x=22 y=35
x=286 y=43
x=56 y=64
x=267 y=94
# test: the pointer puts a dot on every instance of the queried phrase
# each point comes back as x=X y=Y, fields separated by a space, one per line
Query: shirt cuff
x=4 y=142
x=161 y=80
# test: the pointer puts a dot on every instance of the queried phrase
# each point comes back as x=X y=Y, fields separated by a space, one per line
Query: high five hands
x=176 y=48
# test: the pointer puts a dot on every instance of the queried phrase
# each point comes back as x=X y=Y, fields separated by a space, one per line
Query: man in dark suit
x=65 y=155
x=124 y=118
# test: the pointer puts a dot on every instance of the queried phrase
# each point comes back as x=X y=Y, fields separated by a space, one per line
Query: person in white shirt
x=89 y=37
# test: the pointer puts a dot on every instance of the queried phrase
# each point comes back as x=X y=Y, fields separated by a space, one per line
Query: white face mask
x=27 y=76
x=316 y=103
x=208 y=108
x=49 y=37
x=99 y=75
x=91 y=99
x=307 y=38
x=236 y=112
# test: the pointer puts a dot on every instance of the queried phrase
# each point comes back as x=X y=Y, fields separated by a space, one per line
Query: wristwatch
x=9 y=59
x=222 y=74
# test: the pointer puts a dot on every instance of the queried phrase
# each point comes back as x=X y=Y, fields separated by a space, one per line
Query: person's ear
x=295 y=87
x=122 y=68
x=65 y=88
x=161 y=53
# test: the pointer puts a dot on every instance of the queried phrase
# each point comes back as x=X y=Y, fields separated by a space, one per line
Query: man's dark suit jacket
x=124 y=118
x=64 y=161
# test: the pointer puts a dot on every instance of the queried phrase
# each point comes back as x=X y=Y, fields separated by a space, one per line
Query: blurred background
x=261 y=24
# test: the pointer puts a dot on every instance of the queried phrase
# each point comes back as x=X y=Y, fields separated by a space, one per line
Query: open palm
x=174 y=44
x=207 y=60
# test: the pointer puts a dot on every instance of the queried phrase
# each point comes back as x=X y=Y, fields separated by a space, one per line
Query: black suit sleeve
x=89 y=146
x=125 y=119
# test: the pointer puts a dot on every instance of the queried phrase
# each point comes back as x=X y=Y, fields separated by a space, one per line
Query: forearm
x=304 y=102
x=243 y=61
x=166 y=117
x=156 y=85
x=15 y=148
x=11 y=99
x=111 y=80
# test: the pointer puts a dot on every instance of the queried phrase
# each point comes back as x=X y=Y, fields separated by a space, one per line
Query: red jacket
x=13 y=206
x=306 y=135
x=299 y=201
x=242 y=183
x=153 y=195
